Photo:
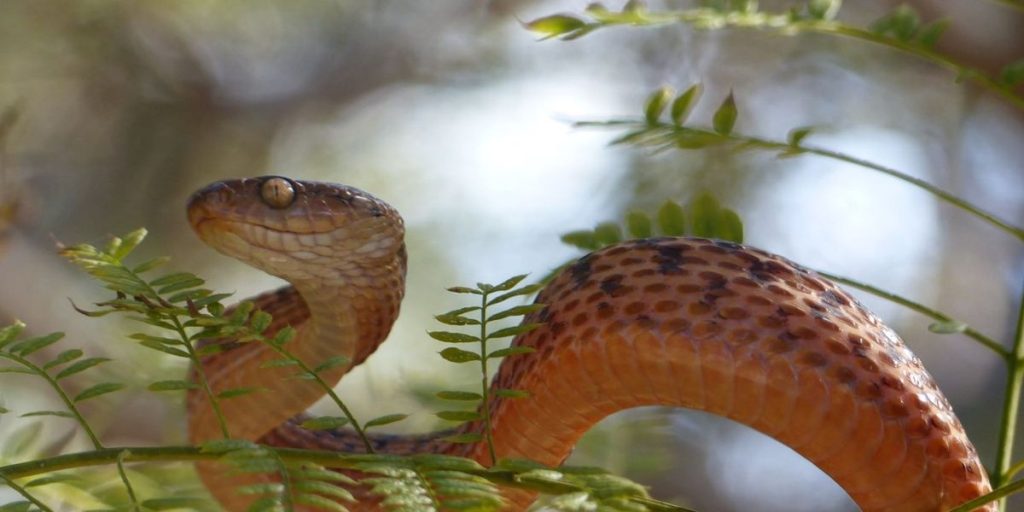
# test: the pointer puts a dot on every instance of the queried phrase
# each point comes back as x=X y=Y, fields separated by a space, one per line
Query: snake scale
x=688 y=322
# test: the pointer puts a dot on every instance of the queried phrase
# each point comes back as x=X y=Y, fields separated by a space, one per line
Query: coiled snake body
x=685 y=322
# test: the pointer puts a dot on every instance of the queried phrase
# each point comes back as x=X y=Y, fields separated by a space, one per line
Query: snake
x=672 y=321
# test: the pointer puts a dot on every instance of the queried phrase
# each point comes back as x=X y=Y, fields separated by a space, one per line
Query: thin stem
x=936 y=315
x=133 y=501
x=485 y=406
x=204 y=384
x=1011 y=402
x=70 y=404
x=327 y=388
x=709 y=19
x=24 y=493
x=664 y=135
x=999 y=493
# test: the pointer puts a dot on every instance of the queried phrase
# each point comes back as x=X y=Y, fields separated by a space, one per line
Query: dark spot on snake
x=780 y=344
x=780 y=291
x=580 y=271
x=892 y=382
x=557 y=328
x=677 y=325
x=706 y=329
x=655 y=288
x=645 y=322
x=689 y=288
x=712 y=248
x=725 y=244
x=813 y=359
x=579 y=319
x=632 y=260
x=868 y=365
x=786 y=310
x=605 y=310
x=634 y=308
x=698 y=308
x=733 y=313
x=758 y=300
x=663 y=306
x=669 y=258
x=644 y=272
x=612 y=283
x=843 y=374
x=870 y=390
x=728 y=265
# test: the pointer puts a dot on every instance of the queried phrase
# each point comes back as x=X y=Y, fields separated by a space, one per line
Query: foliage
x=181 y=314
x=490 y=296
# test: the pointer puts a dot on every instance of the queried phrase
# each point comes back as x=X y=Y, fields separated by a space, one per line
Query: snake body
x=688 y=322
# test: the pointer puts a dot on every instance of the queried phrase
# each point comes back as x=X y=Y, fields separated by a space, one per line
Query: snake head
x=297 y=230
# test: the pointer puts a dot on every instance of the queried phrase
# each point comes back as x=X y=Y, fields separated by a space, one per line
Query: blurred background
x=115 y=111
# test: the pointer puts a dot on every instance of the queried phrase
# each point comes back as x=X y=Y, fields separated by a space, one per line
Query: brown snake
x=685 y=322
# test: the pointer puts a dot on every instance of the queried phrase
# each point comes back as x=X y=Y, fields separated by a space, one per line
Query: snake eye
x=277 y=192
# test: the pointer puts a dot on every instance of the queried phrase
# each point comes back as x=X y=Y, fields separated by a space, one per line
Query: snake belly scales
x=687 y=322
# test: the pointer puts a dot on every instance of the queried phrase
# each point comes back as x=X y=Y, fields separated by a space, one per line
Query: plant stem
x=968 y=331
x=485 y=388
x=327 y=389
x=9 y=482
x=70 y=404
x=1011 y=402
x=999 y=493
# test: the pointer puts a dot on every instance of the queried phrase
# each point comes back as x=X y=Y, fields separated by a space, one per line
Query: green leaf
x=464 y=289
x=150 y=264
x=97 y=390
x=127 y=244
x=503 y=352
x=730 y=227
x=1012 y=74
x=260 y=321
x=516 y=311
x=671 y=220
x=948 y=327
x=555 y=25
x=464 y=438
x=16 y=369
x=458 y=395
x=60 y=414
x=320 y=502
x=180 y=285
x=52 y=479
x=929 y=34
x=279 y=363
x=165 y=349
x=697 y=140
x=797 y=135
x=172 y=385
x=173 y=503
x=332 y=363
x=286 y=334
x=156 y=339
x=704 y=216
x=31 y=345
x=458 y=415
x=325 y=423
x=509 y=283
x=456 y=355
x=16 y=506
x=582 y=239
x=513 y=331
x=80 y=366
x=385 y=420
x=188 y=295
x=683 y=104
x=236 y=392
x=523 y=290
x=8 y=333
x=172 y=278
x=511 y=393
x=453 y=337
x=4 y=410
x=725 y=117
x=64 y=357
x=823 y=9
x=607 y=233
x=656 y=104
x=455 y=317
x=639 y=224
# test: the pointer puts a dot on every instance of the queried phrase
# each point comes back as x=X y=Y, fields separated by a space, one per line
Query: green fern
x=490 y=296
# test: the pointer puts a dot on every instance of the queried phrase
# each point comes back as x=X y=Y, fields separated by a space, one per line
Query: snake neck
x=346 y=311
